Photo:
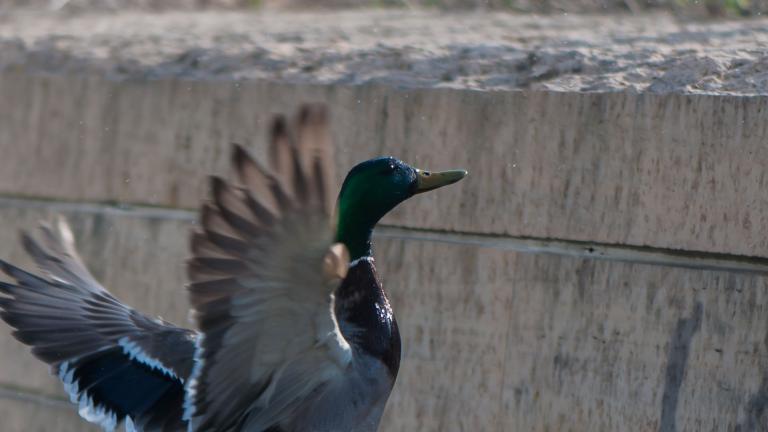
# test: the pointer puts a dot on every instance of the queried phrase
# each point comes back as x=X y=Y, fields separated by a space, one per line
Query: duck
x=293 y=330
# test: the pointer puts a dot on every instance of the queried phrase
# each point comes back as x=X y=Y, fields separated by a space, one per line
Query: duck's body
x=356 y=402
x=295 y=332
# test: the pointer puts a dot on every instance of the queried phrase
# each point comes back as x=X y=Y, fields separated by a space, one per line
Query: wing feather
x=35 y=302
x=92 y=341
x=262 y=275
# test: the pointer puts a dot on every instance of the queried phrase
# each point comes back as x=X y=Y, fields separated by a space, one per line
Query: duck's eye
x=389 y=169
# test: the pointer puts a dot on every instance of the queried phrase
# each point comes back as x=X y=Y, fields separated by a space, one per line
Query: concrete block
x=516 y=341
x=493 y=340
x=668 y=171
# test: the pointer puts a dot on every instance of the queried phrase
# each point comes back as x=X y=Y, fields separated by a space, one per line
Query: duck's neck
x=356 y=236
x=357 y=214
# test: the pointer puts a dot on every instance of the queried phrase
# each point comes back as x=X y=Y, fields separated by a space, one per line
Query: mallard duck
x=294 y=331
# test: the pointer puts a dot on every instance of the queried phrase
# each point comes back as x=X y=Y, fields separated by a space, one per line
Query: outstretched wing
x=263 y=273
x=115 y=363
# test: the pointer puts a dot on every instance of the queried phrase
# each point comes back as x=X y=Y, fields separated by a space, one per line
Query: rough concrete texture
x=493 y=51
x=137 y=109
x=671 y=171
x=493 y=341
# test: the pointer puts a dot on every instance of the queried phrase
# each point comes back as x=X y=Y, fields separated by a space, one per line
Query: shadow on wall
x=757 y=406
x=677 y=360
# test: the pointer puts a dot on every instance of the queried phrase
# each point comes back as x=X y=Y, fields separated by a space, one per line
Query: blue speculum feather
x=134 y=352
x=109 y=382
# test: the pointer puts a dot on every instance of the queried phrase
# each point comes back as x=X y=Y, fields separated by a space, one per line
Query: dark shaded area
x=677 y=361
x=757 y=405
x=755 y=410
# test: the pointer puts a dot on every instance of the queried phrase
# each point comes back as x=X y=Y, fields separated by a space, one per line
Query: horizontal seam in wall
x=573 y=248
x=588 y=250
x=102 y=208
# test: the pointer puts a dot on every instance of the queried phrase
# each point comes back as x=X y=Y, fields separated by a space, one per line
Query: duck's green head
x=372 y=189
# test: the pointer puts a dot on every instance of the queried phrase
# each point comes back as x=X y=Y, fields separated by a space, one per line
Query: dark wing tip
x=8 y=268
x=33 y=248
x=207 y=215
x=240 y=156
x=8 y=289
x=22 y=277
x=279 y=126
x=313 y=113
x=218 y=185
x=319 y=177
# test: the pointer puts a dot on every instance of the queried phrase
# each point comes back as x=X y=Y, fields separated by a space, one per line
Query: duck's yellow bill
x=429 y=180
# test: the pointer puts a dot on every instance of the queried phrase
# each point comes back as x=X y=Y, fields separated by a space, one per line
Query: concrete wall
x=601 y=269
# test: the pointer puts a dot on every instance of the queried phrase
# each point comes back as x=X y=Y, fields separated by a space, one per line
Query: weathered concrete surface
x=672 y=171
x=534 y=343
x=493 y=340
x=490 y=51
